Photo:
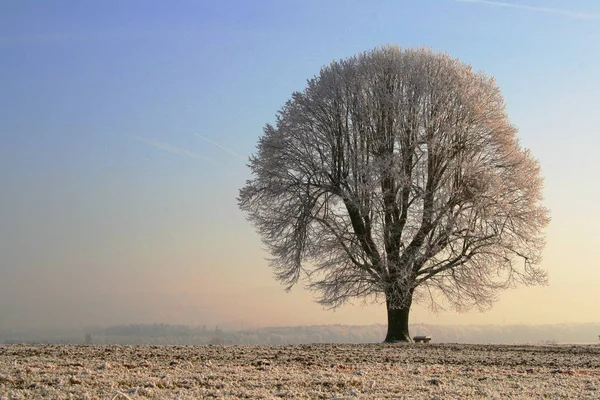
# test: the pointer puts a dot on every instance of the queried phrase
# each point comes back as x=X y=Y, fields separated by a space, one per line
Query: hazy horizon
x=165 y=334
x=124 y=130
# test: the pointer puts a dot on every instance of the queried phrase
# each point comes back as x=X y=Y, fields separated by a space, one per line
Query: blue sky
x=116 y=207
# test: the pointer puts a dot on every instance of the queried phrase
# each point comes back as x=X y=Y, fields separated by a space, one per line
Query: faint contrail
x=572 y=14
x=172 y=149
x=220 y=146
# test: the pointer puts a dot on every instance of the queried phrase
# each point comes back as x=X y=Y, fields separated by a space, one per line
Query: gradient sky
x=125 y=126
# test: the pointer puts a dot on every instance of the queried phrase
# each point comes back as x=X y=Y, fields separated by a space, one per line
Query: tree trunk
x=397 y=323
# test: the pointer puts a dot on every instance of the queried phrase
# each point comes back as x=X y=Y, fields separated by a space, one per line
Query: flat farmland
x=317 y=371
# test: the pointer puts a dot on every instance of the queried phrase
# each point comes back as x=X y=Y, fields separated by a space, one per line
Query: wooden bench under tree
x=422 y=339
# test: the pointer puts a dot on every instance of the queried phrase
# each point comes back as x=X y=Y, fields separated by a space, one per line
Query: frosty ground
x=409 y=371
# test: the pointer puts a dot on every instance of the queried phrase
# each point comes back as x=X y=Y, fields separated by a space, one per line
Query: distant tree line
x=165 y=334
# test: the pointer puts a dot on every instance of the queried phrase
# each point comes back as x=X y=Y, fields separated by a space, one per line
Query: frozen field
x=410 y=371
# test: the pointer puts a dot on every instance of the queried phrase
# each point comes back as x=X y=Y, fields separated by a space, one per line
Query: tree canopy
x=396 y=175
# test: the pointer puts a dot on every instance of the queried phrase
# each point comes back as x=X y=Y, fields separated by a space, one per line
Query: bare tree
x=396 y=175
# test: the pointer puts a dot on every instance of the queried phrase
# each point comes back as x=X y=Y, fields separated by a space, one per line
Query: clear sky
x=125 y=126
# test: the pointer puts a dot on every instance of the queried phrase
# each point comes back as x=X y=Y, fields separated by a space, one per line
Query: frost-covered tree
x=396 y=176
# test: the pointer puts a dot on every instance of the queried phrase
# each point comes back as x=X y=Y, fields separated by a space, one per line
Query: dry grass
x=433 y=371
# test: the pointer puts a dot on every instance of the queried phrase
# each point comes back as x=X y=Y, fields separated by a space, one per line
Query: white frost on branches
x=397 y=173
